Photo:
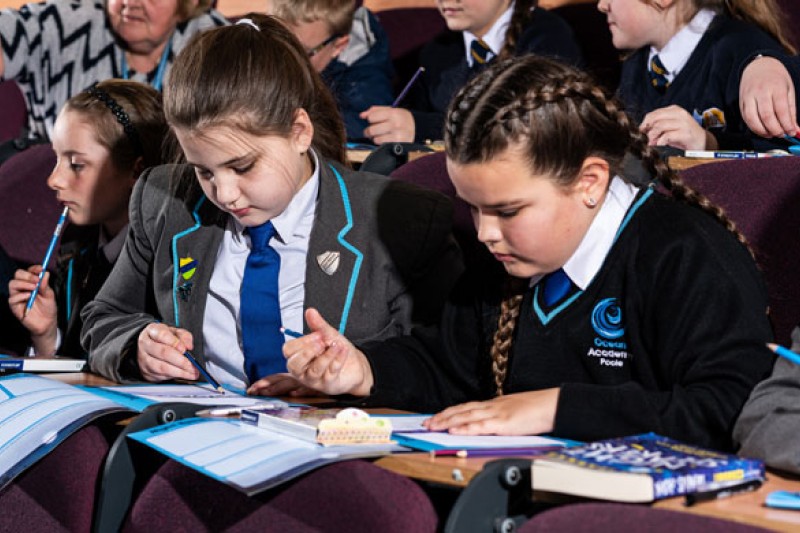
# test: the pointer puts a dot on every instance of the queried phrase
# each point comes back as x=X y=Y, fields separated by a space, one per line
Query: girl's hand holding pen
x=388 y=124
x=160 y=353
x=41 y=320
x=326 y=361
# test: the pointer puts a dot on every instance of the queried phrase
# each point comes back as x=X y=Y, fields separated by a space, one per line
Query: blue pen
x=203 y=372
x=786 y=353
x=291 y=333
x=50 y=249
x=408 y=86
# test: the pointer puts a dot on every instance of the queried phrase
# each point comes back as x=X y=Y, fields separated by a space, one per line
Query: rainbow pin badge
x=188 y=266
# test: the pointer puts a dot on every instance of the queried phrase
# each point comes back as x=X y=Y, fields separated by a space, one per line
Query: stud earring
x=591 y=202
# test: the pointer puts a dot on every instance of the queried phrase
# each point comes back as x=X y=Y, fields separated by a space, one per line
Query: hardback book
x=329 y=427
x=640 y=468
x=9 y=363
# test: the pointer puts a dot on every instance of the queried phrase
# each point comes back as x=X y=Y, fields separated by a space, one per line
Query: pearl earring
x=591 y=202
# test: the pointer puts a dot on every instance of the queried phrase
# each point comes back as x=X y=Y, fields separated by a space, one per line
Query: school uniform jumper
x=447 y=70
x=397 y=262
x=708 y=81
x=667 y=337
x=768 y=426
x=362 y=74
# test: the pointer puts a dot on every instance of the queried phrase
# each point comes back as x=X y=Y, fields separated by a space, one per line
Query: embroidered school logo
x=608 y=347
x=187 y=267
x=607 y=319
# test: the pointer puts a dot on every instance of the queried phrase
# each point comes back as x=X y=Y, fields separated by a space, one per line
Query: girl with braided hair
x=626 y=309
x=480 y=31
x=103 y=138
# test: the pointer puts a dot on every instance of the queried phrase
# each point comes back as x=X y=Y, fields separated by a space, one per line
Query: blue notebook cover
x=673 y=468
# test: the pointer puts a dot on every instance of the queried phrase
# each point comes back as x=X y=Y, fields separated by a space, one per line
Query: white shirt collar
x=112 y=248
x=495 y=37
x=587 y=259
x=288 y=225
x=679 y=48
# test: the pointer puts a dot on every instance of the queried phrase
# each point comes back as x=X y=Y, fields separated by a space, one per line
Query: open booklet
x=244 y=456
x=38 y=413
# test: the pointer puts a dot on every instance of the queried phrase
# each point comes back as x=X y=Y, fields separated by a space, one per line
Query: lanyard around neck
x=162 y=65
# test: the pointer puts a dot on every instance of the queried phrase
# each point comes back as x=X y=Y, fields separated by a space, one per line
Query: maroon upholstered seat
x=603 y=517
x=29 y=208
x=431 y=171
x=762 y=197
x=58 y=492
x=13 y=111
x=349 y=496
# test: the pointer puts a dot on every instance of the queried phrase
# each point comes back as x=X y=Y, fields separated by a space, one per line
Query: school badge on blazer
x=329 y=262
x=710 y=118
x=187 y=269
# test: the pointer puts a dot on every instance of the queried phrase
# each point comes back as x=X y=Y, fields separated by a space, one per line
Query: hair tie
x=249 y=22
x=121 y=116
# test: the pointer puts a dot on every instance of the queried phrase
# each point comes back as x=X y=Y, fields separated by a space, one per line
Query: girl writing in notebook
x=618 y=310
x=480 y=31
x=225 y=253
x=103 y=138
x=682 y=78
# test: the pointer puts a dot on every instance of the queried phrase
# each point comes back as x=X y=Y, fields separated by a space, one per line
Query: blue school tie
x=480 y=52
x=260 y=312
x=556 y=286
x=658 y=74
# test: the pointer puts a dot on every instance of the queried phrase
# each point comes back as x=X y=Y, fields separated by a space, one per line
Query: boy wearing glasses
x=350 y=50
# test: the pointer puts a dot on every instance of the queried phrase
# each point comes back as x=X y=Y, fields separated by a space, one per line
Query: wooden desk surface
x=746 y=508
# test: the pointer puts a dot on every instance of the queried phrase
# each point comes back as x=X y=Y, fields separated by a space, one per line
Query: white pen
x=237 y=410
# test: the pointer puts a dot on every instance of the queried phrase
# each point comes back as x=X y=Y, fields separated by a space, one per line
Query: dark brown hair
x=558 y=116
x=142 y=106
x=252 y=80
x=522 y=12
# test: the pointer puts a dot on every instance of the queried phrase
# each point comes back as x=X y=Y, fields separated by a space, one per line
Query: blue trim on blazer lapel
x=176 y=261
x=355 y=251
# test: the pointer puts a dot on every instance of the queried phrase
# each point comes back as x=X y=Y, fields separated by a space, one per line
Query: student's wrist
x=365 y=387
x=45 y=343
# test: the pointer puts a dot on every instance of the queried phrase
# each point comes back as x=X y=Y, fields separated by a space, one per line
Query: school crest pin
x=186 y=268
x=329 y=262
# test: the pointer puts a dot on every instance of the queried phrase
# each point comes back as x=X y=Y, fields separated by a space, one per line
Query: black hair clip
x=120 y=114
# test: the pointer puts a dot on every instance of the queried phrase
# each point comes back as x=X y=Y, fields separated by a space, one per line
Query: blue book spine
x=675 y=468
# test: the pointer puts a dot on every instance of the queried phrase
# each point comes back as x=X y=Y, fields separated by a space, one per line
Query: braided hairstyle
x=522 y=12
x=557 y=116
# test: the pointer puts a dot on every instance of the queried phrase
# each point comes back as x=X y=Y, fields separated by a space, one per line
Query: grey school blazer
x=397 y=262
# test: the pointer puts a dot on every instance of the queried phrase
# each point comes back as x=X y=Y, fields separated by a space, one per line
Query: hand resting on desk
x=326 y=361
x=160 y=353
x=522 y=413
x=281 y=385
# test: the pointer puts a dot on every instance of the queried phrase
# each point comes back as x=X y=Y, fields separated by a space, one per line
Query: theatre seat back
x=762 y=197
x=29 y=210
x=603 y=517
x=351 y=496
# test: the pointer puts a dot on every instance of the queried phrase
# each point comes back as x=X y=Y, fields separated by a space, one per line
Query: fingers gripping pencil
x=50 y=248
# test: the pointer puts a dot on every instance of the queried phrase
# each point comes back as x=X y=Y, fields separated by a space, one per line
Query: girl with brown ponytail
x=267 y=220
x=681 y=79
x=627 y=309
x=480 y=31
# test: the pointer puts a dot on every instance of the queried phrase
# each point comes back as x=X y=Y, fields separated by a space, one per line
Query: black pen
x=203 y=372
x=722 y=491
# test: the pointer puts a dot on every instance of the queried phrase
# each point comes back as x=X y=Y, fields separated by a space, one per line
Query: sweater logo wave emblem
x=608 y=347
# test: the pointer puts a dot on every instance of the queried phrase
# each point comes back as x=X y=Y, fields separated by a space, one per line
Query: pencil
x=786 y=353
x=495 y=452
x=291 y=333
x=203 y=372
x=408 y=86
x=47 y=255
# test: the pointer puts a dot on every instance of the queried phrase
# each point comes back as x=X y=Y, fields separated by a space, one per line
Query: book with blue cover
x=640 y=468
